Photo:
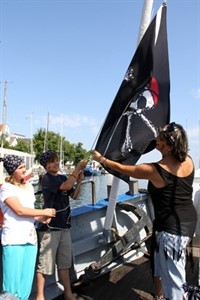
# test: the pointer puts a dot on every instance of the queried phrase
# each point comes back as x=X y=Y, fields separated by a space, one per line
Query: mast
x=46 y=135
x=4 y=114
x=199 y=146
x=110 y=213
x=61 y=145
x=31 y=131
x=30 y=117
x=145 y=19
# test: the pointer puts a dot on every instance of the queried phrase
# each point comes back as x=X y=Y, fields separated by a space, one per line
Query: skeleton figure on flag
x=145 y=100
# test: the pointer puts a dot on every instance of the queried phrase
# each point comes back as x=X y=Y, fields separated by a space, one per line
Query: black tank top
x=173 y=205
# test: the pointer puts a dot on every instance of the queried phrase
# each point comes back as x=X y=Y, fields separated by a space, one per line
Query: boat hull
x=93 y=246
x=91 y=243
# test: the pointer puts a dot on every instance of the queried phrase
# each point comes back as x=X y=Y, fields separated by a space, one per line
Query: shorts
x=169 y=263
x=55 y=248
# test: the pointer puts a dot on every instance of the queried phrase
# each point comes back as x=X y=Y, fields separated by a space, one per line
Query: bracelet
x=73 y=175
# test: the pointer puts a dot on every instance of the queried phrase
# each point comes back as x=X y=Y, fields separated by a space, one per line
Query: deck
x=131 y=281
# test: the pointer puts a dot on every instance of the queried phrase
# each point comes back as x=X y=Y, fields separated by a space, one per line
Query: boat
x=34 y=180
x=96 y=172
x=97 y=250
x=35 y=174
x=93 y=169
x=88 y=171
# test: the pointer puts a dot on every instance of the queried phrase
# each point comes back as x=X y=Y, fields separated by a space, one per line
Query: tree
x=6 y=145
x=80 y=153
x=72 y=152
x=23 y=145
x=52 y=141
x=42 y=143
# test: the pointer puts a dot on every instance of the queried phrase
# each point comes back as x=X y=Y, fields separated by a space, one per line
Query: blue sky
x=68 y=58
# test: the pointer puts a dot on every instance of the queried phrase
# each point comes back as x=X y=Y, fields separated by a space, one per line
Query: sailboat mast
x=31 y=129
x=46 y=134
x=61 y=145
x=145 y=18
x=4 y=114
x=199 y=144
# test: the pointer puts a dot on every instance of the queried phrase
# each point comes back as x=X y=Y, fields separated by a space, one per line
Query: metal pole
x=145 y=19
x=31 y=129
x=4 y=114
x=46 y=134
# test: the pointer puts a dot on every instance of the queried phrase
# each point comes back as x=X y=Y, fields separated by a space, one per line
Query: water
x=100 y=183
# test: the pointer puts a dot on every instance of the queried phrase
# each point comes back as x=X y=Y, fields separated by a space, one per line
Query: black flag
x=142 y=103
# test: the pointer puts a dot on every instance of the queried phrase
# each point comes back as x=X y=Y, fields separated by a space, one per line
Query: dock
x=131 y=281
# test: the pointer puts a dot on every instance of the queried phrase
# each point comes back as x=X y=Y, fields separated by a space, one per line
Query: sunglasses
x=167 y=133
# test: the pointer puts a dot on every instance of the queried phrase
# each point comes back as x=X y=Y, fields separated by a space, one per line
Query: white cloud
x=71 y=120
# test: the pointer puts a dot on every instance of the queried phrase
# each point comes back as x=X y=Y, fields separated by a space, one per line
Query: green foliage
x=22 y=145
x=52 y=141
x=6 y=144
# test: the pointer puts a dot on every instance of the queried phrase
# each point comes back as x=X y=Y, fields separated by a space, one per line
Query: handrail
x=133 y=188
x=93 y=187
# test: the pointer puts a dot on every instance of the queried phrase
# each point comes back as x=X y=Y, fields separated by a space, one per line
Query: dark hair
x=52 y=158
x=175 y=136
x=48 y=156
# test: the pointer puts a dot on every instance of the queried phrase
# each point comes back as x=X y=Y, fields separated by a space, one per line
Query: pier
x=132 y=281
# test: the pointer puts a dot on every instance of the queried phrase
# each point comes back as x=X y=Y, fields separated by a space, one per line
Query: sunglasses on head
x=167 y=133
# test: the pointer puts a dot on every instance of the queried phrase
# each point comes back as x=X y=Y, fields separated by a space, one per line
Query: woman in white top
x=19 y=239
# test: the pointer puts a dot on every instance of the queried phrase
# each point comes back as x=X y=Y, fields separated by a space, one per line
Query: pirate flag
x=142 y=103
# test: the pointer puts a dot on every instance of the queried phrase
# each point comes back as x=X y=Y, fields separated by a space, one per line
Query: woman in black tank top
x=170 y=187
